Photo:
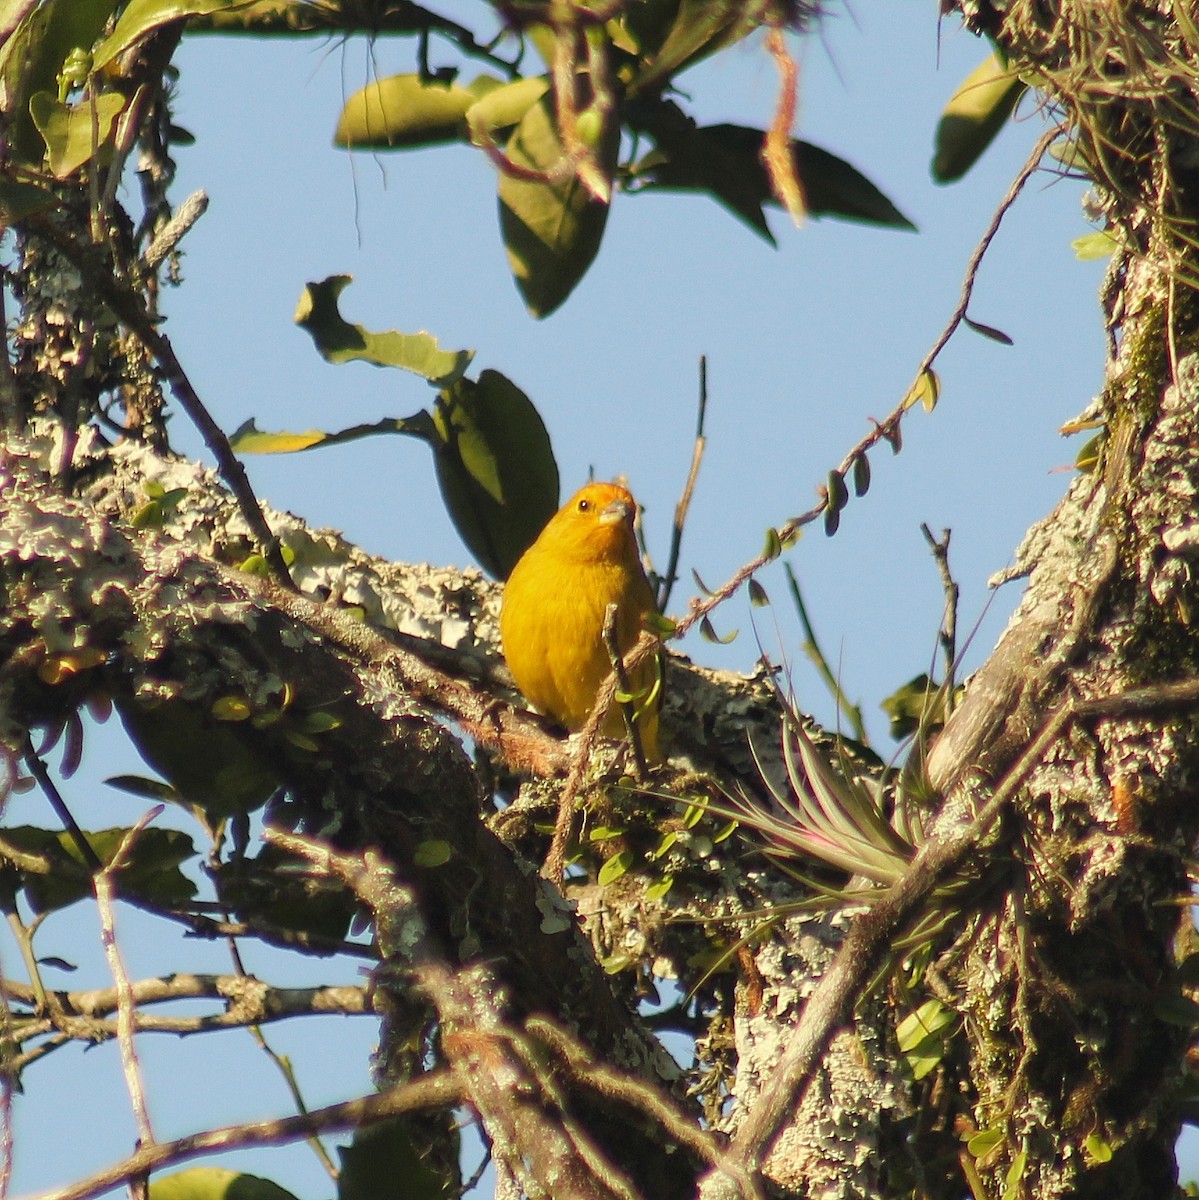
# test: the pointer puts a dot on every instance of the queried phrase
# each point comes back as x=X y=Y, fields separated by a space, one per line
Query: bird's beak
x=615 y=512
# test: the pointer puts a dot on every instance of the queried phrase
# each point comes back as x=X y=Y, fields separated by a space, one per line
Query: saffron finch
x=552 y=618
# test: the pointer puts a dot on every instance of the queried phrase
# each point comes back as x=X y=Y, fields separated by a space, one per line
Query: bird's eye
x=584 y=505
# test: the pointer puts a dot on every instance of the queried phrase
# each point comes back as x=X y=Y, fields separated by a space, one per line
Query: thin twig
x=888 y=429
x=37 y=769
x=628 y=708
x=668 y=580
x=128 y=307
x=437 y=1089
x=948 y=636
x=104 y=885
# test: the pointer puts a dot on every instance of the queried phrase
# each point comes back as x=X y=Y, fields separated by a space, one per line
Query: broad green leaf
x=19 y=200
x=215 y=1183
x=918 y=704
x=985 y=1141
x=338 y=341
x=144 y=16
x=929 y=1019
x=552 y=226
x=495 y=467
x=280 y=889
x=404 y=111
x=615 y=867
x=215 y=765
x=32 y=60
x=725 y=160
x=74 y=133
x=382 y=1163
x=658 y=890
x=1100 y=244
x=976 y=112
x=505 y=106
x=151 y=868
x=700 y=28
x=1097 y=1149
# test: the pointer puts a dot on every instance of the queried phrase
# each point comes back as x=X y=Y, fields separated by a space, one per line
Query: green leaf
x=838 y=493
x=32 y=60
x=708 y=632
x=1015 y=1175
x=384 y=1163
x=700 y=28
x=20 y=200
x=984 y=1142
x=249 y=439
x=926 y=391
x=403 y=111
x=215 y=1183
x=1096 y=1149
x=861 y=475
x=280 y=889
x=975 y=114
x=503 y=107
x=918 y=704
x=338 y=341
x=435 y=852
x=615 y=867
x=926 y=1021
x=215 y=765
x=989 y=331
x=140 y=786
x=1100 y=244
x=144 y=16
x=552 y=226
x=495 y=467
x=757 y=594
x=774 y=545
x=726 y=162
x=659 y=890
x=151 y=869
x=74 y=133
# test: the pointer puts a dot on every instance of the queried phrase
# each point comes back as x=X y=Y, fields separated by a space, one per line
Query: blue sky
x=804 y=344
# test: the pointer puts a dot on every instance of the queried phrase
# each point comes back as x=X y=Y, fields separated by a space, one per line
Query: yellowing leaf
x=1100 y=244
x=338 y=341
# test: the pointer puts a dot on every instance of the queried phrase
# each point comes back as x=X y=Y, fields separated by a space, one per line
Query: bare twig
x=888 y=429
x=247 y=1001
x=948 y=637
x=129 y=308
x=37 y=769
x=670 y=578
x=104 y=885
x=437 y=1089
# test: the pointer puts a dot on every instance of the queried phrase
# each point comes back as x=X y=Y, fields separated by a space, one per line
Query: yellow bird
x=552 y=618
